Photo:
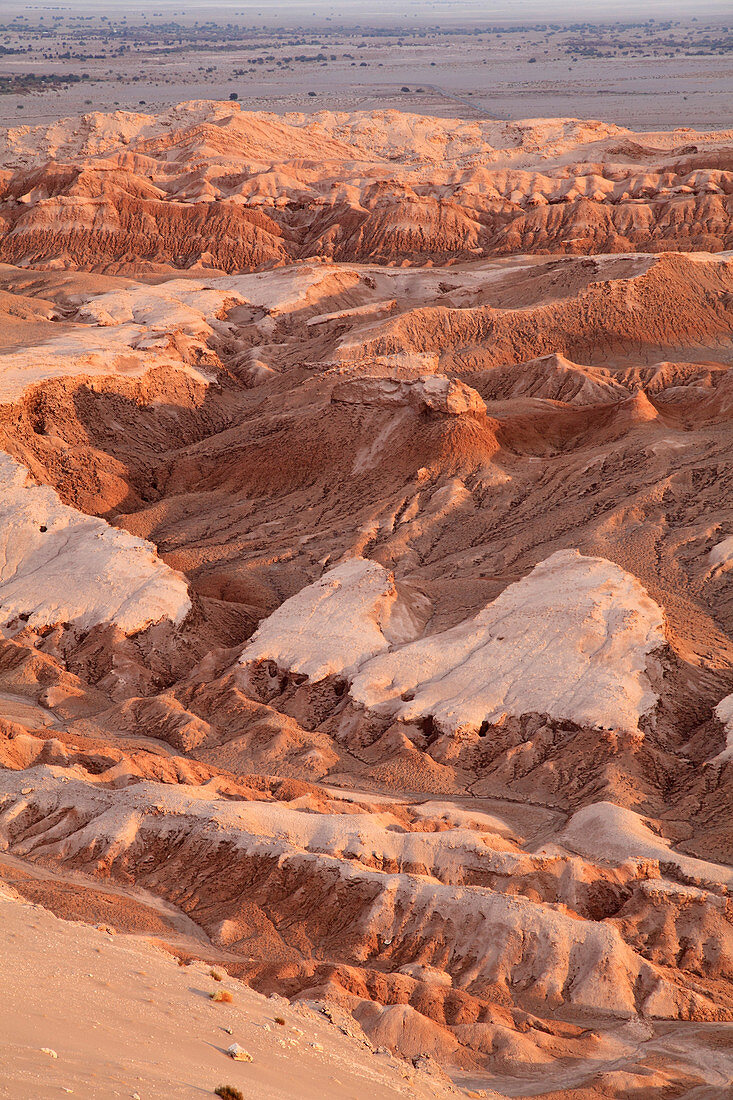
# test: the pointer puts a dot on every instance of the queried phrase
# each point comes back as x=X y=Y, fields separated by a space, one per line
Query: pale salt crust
x=58 y=565
x=611 y=833
x=724 y=714
x=570 y=640
x=124 y=332
x=333 y=626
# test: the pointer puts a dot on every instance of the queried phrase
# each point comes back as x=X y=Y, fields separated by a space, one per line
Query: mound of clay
x=571 y=640
x=60 y=566
x=333 y=626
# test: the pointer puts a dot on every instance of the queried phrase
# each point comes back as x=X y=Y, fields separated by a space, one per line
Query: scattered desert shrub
x=280 y=1020
x=223 y=996
x=228 y=1092
x=215 y=975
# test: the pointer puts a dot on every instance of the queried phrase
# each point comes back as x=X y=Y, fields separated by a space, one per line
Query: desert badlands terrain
x=366 y=593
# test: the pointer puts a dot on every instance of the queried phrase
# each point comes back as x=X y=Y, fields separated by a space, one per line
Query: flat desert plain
x=672 y=70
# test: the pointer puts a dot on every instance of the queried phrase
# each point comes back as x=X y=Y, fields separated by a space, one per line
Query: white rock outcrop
x=58 y=565
x=720 y=557
x=333 y=626
x=724 y=714
x=430 y=392
x=239 y=1054
x=614 y=834
x=570 y=640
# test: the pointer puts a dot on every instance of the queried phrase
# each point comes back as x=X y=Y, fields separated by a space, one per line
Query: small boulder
x=239 y=1054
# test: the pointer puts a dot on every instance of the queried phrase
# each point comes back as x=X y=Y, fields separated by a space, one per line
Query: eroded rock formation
x=374 y=619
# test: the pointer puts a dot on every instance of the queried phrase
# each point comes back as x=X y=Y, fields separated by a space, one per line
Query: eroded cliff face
x=378 y=619
x=209 y=185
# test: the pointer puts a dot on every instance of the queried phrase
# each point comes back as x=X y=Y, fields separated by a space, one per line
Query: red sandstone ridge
x=367 y=626
x=207 y=184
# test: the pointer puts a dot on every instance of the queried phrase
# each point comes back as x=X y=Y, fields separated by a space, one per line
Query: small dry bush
x=215 y=975
x=223 y=996
x=280 y=1020
x=228 y=1092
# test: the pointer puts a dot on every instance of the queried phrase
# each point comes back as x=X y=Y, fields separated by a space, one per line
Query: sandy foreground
x=124 y=1019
